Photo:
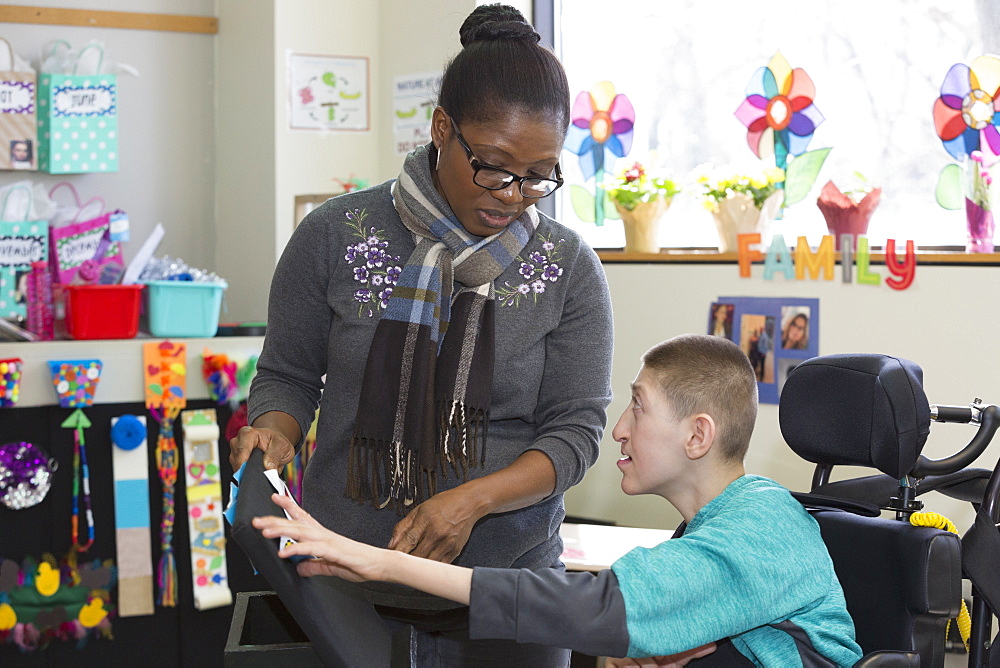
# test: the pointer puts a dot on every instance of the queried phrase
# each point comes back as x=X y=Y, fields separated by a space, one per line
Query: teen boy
x=750 y=566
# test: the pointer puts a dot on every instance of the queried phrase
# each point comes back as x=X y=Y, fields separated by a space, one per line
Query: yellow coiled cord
x=939 y=521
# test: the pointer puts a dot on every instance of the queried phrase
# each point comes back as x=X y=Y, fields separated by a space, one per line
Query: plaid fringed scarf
x=425 y=398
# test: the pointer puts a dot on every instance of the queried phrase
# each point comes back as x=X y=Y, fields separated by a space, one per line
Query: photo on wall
x=720 y=320
x=775 y=333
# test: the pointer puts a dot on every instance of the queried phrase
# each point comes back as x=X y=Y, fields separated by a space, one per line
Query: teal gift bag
x=78 y=121
x=22 y=242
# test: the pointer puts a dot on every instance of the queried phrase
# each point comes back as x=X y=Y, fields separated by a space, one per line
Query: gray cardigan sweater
x=551 y=382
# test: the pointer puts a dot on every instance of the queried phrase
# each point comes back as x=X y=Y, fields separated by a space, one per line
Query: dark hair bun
x=496 y=22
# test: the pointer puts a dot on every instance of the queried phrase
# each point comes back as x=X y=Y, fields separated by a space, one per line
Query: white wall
x=412 y=41
x=166 y=115
x=944 y=322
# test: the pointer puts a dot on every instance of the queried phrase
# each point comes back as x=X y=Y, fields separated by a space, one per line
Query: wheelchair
x=902 y=582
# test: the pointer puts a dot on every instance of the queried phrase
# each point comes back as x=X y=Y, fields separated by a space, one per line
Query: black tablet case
x=342 y=625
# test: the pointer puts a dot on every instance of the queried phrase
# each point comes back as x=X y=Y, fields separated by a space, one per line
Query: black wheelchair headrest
x=860 y=410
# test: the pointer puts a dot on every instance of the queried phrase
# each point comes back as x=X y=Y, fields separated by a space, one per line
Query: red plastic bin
x=102 y=311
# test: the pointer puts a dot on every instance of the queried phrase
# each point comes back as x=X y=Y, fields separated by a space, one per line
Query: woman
x=795 y=335
x=465 y=340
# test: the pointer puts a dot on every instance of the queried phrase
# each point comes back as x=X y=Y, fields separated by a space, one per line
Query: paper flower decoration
x=781 y=118
x=601 y=121
x=967 y=113
x=778 y=111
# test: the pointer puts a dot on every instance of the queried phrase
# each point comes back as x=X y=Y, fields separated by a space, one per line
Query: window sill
x=712 y=256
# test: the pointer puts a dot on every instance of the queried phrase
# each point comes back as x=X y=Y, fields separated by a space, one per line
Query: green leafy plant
x=718 y=184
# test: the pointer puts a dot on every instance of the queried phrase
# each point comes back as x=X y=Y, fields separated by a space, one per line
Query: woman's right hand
x=278 y=450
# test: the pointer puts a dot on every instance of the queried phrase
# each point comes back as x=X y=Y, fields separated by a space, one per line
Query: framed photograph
x=328 y=92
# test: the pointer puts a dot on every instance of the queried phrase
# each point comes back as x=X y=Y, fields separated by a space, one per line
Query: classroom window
x=684 y=64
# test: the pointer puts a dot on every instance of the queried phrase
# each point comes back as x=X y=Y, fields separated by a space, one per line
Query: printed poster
x=328 y=92
x=776 y=333
x=414 y=97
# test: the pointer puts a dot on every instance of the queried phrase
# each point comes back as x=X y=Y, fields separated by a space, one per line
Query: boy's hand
x=671 y=661
x=439 y=527
x=334 y=554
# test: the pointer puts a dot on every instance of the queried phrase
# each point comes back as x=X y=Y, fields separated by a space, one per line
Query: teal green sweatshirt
x=752 y=558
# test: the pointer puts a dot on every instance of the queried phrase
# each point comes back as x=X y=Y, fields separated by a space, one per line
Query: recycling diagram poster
x=328 y=92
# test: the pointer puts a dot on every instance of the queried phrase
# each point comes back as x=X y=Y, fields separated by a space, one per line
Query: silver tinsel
x=167 y=268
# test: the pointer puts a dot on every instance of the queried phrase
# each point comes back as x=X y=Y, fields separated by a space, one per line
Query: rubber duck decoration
x=46 y=579
x=92 y=614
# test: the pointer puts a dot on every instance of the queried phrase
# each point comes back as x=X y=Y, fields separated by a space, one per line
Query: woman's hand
x=333 y=554
x=439 y=527
x=278 y=450
x=671 y=661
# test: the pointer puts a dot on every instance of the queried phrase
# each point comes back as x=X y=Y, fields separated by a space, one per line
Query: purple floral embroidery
x=384 y=297
x=539 y=270
x=375 y=266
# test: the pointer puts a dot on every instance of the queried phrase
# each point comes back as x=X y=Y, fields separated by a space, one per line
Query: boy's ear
x=702 y=436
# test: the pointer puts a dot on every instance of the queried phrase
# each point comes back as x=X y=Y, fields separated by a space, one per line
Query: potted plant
x=741 y=202
x=641 y=198
x=848 y=210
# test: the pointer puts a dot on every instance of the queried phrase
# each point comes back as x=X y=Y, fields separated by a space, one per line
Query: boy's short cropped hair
x=698 y=373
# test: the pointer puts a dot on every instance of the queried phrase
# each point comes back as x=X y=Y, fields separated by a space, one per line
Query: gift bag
x=78 y=119
x=22 y=241
x=18 y=136
x=80 y=249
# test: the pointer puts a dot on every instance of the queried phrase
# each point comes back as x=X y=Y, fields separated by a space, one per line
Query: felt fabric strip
x=130 y=460
x=425 y=397
x=209 y=575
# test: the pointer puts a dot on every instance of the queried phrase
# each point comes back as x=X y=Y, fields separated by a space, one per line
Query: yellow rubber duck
x=8 y=618
x=46 y=579
x=92 y=613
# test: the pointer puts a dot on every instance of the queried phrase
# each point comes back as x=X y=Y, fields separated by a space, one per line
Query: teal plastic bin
x=183 y=308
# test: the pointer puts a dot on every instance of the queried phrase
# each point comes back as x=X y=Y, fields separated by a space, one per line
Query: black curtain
x=180 y=636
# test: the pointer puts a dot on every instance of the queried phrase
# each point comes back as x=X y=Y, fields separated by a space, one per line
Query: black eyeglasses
x=496 y=178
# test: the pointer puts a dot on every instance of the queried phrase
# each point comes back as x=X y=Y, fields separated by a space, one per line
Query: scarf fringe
x=389 y=473
x=463 y=437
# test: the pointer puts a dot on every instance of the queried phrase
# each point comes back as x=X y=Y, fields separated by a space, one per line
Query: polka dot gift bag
x=78 y=114
x=23 y=240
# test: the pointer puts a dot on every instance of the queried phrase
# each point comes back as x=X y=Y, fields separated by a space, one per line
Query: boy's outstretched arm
x=580 y=611
x=345 y=558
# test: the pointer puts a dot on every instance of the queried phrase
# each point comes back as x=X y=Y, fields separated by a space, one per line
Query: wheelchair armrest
x=889 y=660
